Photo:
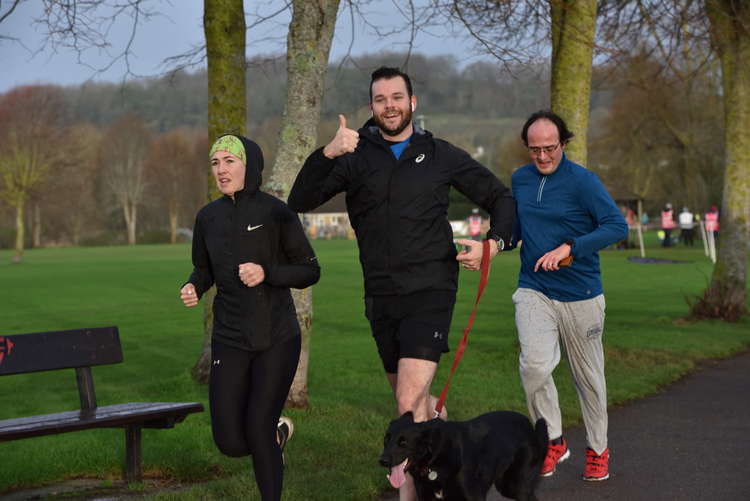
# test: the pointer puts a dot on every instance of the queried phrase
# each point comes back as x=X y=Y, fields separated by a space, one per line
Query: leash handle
x=485 y=271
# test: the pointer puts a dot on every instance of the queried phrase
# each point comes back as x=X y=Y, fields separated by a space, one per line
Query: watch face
x=499 y=241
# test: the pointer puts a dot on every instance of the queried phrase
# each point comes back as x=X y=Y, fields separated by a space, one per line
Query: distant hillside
x=482 y=91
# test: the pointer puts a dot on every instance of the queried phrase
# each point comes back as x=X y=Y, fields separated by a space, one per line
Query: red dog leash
x=485 y=271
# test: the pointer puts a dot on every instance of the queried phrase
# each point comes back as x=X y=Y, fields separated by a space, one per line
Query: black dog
x=460 y=460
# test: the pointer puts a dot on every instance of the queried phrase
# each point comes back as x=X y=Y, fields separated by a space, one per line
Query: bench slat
x=44 y=351
x=150 y=414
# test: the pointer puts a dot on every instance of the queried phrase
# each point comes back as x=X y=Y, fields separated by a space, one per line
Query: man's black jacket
x=259 y=228
x=398 y=208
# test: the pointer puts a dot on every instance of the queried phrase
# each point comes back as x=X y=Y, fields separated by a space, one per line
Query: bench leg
x=133 y=472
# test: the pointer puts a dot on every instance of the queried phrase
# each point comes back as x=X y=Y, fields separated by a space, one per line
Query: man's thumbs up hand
x=345 y=140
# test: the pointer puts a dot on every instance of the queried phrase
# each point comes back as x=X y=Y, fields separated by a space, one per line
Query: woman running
x=253 y=247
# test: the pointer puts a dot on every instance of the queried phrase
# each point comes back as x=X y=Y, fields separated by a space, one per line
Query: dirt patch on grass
x=633 y=357
x=95 y=489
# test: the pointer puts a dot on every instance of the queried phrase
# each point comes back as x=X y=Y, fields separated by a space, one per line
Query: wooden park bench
x=81 y=349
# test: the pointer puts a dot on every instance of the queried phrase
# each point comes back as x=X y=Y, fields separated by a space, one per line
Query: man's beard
x=405 y=121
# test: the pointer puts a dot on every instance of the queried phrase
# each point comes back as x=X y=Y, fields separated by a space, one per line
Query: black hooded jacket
x=259 y=228
x=398 y=208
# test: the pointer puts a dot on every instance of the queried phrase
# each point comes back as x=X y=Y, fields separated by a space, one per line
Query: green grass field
x=337 y=442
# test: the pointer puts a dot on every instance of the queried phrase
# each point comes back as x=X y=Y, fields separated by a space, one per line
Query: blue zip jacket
x=569 y=204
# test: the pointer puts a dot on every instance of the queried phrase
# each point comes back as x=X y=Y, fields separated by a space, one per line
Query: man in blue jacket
x=563 y=212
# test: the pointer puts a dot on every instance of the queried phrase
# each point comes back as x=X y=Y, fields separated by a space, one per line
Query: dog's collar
x=425 y=471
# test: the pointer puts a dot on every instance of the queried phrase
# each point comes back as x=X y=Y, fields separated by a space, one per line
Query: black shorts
x=411 y=326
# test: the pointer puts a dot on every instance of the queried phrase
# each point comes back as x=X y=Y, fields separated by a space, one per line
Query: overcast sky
x=179 y=29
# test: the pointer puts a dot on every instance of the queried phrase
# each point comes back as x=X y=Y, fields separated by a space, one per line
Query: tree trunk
x=573 y=30
x=297 y=397
x=202 y=368
x=18 y=252
x=133 y=225
x=726 y=296
x=76 y=235
x=308 y=48
x=224 y=28
x=129 y=210
x=173 y=222
x=37 y=233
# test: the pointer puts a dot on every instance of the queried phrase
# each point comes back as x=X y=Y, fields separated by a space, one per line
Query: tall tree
x=661 y=137
x=726 y=296
x=308 y=49
x=20 y=172
x=573 y=31
x=521 y=32
x=79 y=170
x=29 y=133
x=123 y=157
x=677 y=31
x=171 y=161
x=224 y=28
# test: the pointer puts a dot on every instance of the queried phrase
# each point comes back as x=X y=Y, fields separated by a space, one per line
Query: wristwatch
x=500 y=242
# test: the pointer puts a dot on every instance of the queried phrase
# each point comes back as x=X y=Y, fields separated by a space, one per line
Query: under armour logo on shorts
x=217 y=362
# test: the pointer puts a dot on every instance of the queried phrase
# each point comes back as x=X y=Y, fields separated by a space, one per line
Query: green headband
x=232 y=144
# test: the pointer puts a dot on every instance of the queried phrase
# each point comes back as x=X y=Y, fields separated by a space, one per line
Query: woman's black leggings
x=247 y=394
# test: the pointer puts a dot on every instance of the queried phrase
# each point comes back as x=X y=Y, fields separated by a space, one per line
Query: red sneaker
x=597 y=467
x=556 y=453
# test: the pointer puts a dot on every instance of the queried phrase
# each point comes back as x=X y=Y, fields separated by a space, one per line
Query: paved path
x=690 y=442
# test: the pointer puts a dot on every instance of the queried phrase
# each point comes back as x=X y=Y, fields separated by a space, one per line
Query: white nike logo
x=250 y=227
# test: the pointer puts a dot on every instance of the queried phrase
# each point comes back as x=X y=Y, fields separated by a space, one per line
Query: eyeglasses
x=537 y=150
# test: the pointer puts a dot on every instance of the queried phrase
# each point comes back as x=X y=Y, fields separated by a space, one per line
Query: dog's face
x=406 y=444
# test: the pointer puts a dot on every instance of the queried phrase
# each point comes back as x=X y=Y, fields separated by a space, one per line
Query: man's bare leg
x=392 y=380
x=411 y=387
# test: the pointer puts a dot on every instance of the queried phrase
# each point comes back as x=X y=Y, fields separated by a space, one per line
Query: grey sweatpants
x=542 y=323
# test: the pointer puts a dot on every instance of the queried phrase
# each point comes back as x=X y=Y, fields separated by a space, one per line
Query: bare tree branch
x=197 y=54
x=10 y=10
x=260 y=19
x=85 y=25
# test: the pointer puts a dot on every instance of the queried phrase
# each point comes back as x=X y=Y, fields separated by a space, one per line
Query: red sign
x=6 y=346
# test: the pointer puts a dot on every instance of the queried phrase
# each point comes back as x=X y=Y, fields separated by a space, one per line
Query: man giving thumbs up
x=397 y=178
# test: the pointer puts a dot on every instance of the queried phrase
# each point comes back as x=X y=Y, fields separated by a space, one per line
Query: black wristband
x=570 y=242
